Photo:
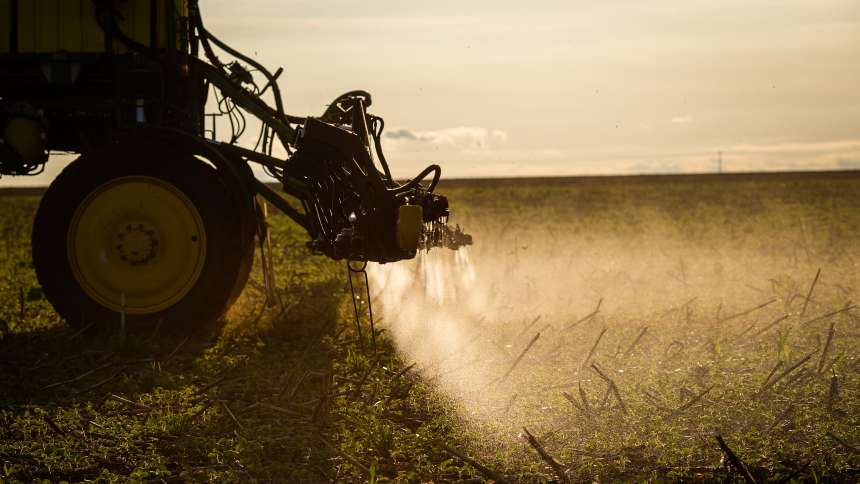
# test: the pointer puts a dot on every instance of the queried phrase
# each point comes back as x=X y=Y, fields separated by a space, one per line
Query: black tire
x=246 y=264
x=250 y=220
x=228 y=257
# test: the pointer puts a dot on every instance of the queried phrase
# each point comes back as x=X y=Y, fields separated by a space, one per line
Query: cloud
x=682 y=119
x=401 y=133
x=460 y=137
x=468 y=151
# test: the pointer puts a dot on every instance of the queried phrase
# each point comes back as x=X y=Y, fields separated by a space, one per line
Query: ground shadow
x=245 y=399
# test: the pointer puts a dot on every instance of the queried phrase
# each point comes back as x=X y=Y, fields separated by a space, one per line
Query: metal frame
x=349 y=200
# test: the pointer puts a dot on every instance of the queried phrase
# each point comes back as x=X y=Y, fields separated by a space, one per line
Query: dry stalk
x=605 y=397
x=248 y=408
x=210 y=386
x=672 y=346
x=402 y=372
x=572 y=401
x=352 y=460
x=180 y=345
x=511 y=402
x=832 y=393
x=694 y=400
x=800 y=377
x=364 y=377
x=53 y=425
x=676 y=308
x=519 y=358
x=502 y=350
x=823 y=358
x=399 y=393
x=770 y=375
x=99 y=383
x=232 y=416
x=771 y=325
x=322 y=404
x=828 y=366
x=769 y=384
x=405 y=392
x=635 y=341
x=744 y=313
x=782 y=417
x=369 y=399
x=297 y=385
x=848 y=307
x=809 y=294
x=749 y=328
x=530 y=325
x=593 y=348
x=584 y=397
x=585 y=318
x=21 y=304
x=736 y=462
x=79 y=377
x=556 y=467
x=612 y=386
x=81 y=331
x=126 y=401
x=277 y=408
x=843 y=443
x=156 y=330
x=202 y=409
x=656 y=401
x=554 y=350
x=485 y=471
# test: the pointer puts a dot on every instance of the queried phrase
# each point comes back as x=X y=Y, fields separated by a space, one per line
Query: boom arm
x=351 y=209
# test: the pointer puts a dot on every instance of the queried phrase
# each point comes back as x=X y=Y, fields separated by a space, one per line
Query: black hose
x=377 y=142
x=206 y=36
x=415 y=182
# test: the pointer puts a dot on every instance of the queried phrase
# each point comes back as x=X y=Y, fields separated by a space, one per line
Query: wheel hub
x=137 y=243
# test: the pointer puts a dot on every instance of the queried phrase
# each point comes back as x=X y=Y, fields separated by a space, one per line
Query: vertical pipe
x=153 y=25
x=170 y=66
x=13 y=31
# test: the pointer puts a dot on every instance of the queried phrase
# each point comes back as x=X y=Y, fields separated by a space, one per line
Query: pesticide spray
x=503 y=327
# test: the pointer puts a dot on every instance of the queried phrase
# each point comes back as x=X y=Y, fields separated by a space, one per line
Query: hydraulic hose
x=377 y=142
x=415 y=182
x=206 y=36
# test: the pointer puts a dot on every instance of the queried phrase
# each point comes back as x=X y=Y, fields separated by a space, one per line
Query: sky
x=546 y=87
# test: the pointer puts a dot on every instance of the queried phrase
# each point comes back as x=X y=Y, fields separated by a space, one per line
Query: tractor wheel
x=138 y=237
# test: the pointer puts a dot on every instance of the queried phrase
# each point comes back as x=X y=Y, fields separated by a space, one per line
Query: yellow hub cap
x=136 y=244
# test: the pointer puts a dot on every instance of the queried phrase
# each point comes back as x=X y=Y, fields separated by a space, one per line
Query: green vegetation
x=288 y=393
x=275 y=393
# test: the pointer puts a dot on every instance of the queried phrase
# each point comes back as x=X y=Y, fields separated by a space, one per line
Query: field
x=695 y=327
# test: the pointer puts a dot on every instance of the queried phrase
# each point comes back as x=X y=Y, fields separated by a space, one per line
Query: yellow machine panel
x=69 y=34
x=92 y=37
x=48 y=26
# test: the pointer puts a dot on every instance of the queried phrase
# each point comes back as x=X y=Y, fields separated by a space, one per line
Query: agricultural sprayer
x=158 y=218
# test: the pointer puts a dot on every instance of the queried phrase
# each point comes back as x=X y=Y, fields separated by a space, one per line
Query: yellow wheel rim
x=136 y=244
